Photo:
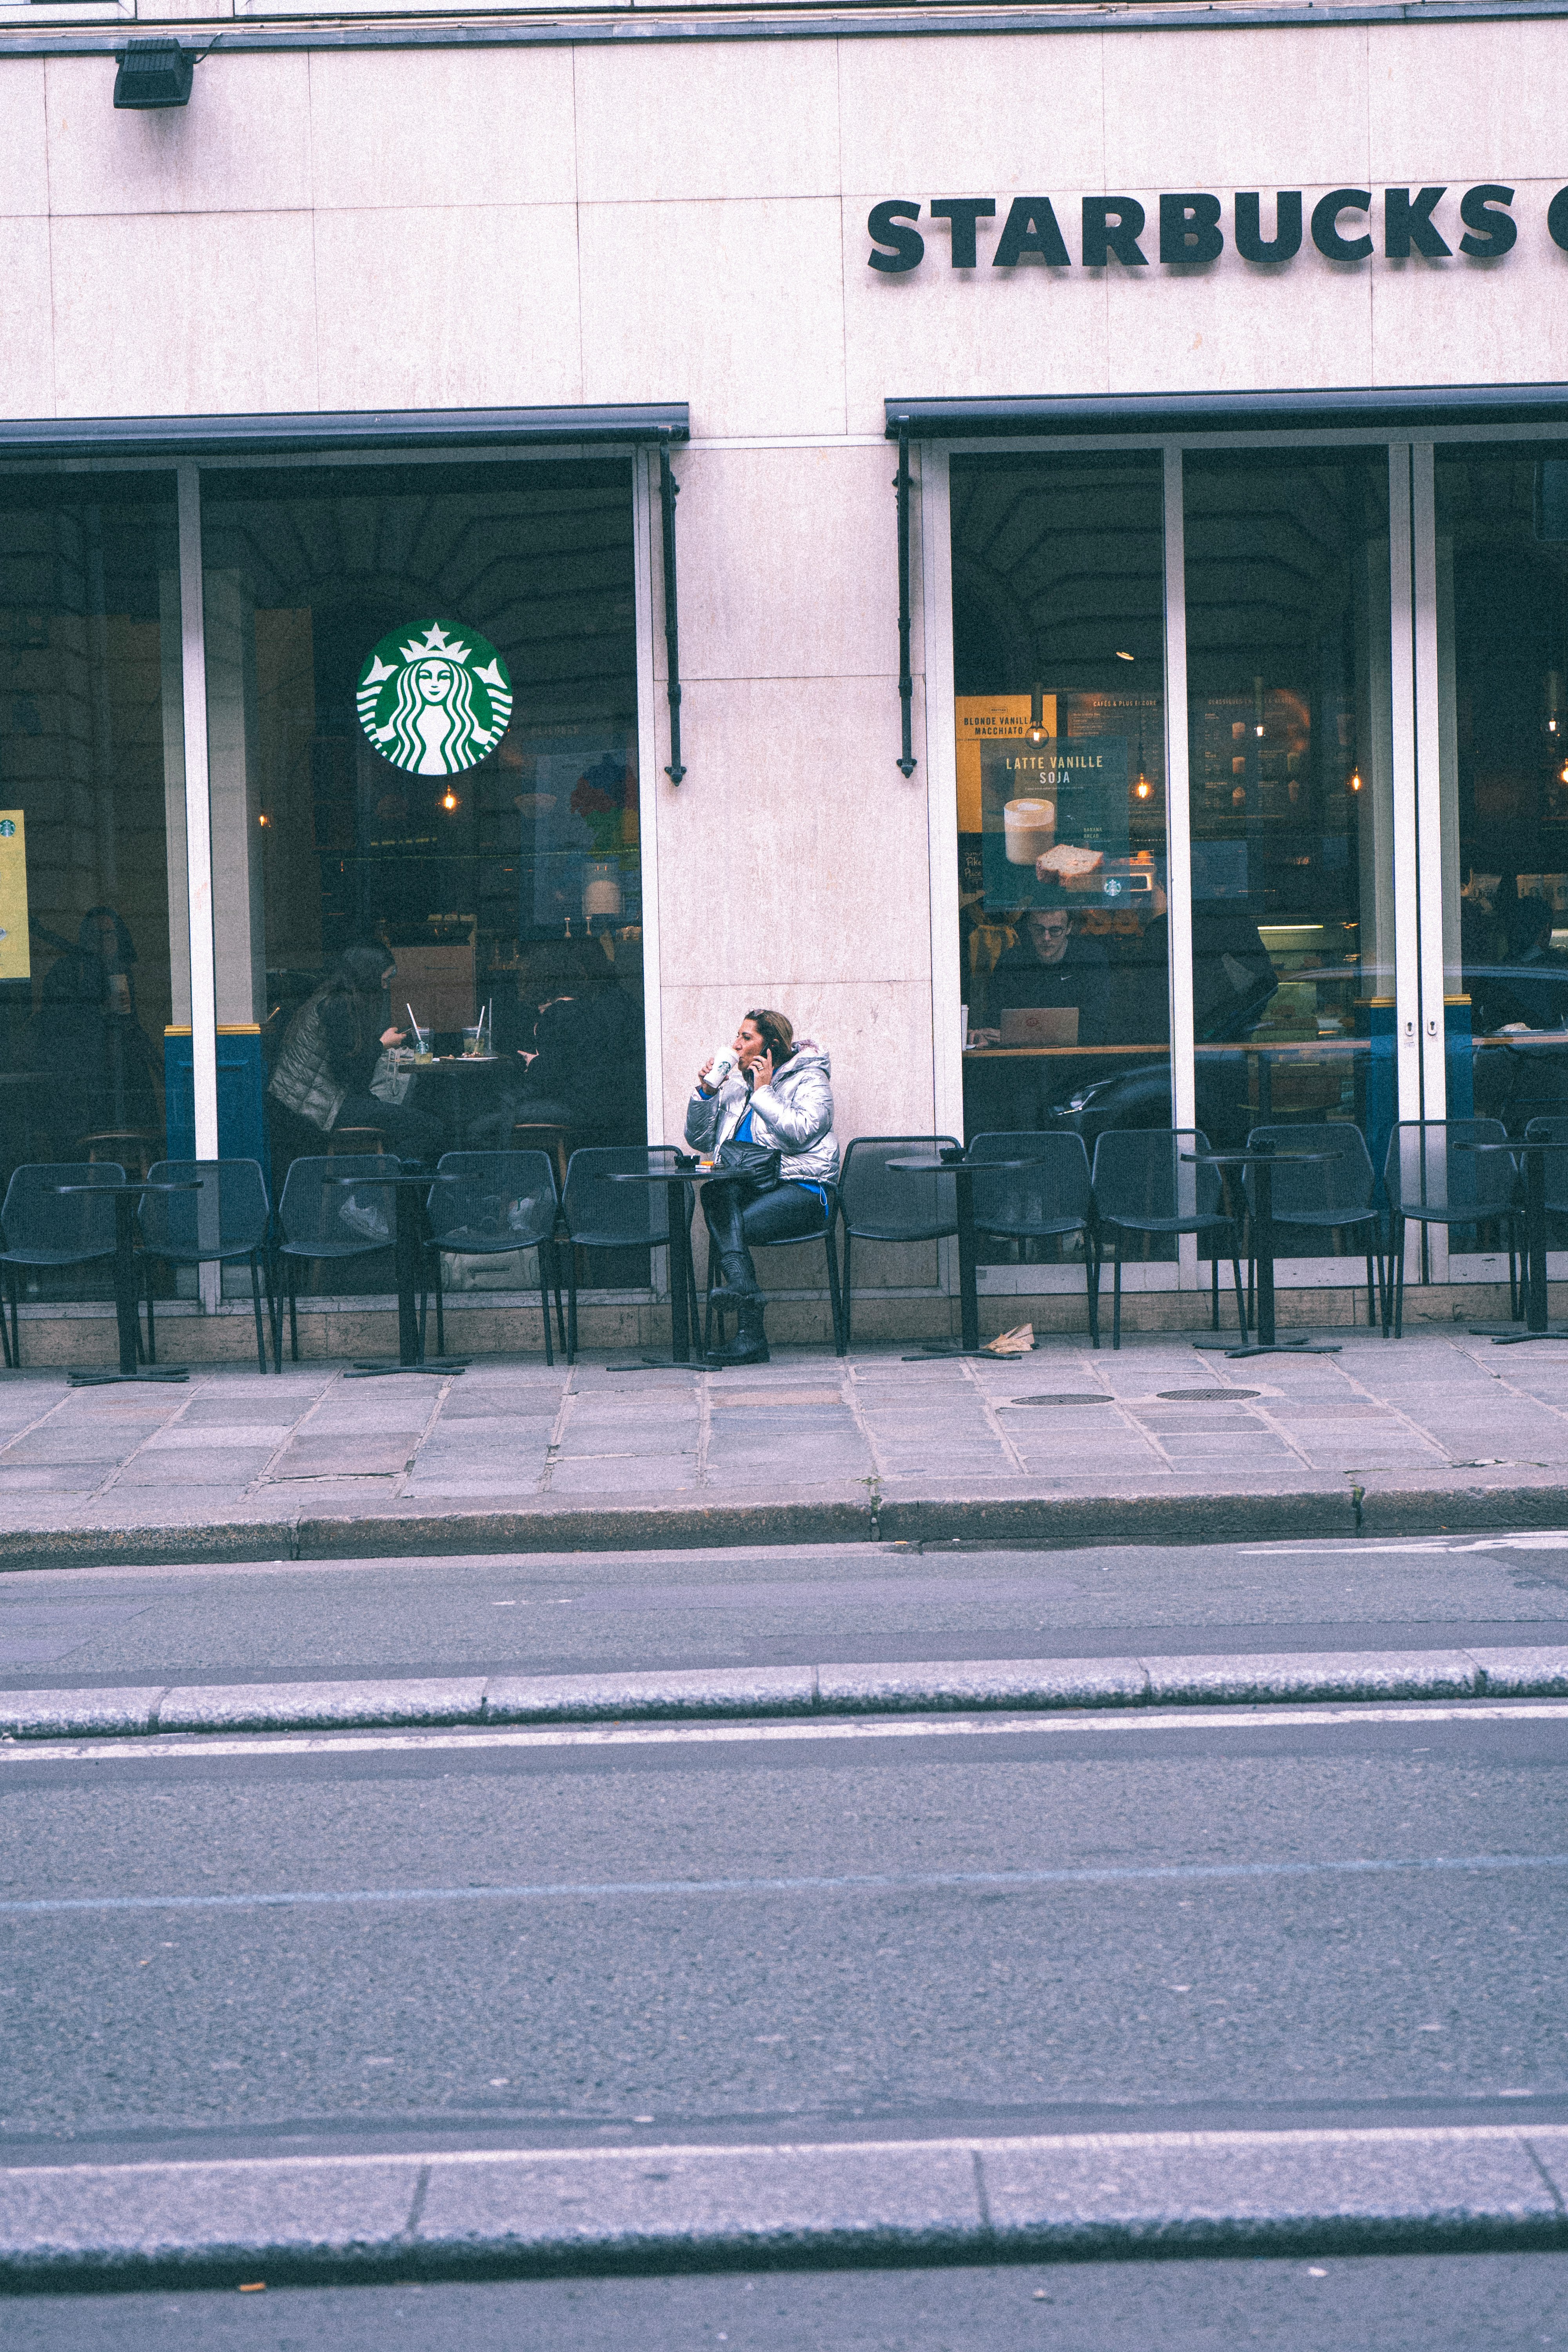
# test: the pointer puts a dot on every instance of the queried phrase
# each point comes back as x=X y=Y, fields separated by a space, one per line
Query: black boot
x=750 y=1344
x=724 y=1209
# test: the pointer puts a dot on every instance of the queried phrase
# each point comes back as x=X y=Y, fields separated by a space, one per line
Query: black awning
x=164 y=438
x=1399 y=408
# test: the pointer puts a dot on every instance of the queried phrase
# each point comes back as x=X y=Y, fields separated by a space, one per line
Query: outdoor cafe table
x=963 y=1173
x=1265 y=1162
x=683 y=1276
x=127 y=1310
x=406 y=1244
x=1536 y=1324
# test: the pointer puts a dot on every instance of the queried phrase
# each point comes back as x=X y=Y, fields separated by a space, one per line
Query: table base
x=1239 y=1347
x=1514 y=1335
x=106 y=1379
x=379 y=1367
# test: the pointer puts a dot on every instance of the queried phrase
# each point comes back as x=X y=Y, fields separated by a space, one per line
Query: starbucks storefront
x=1177 y=739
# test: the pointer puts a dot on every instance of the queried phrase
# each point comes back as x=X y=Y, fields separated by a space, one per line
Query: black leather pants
x=789 y=1212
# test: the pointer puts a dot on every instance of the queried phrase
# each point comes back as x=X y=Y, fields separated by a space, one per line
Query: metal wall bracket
x=906 y=679
x=669 y=491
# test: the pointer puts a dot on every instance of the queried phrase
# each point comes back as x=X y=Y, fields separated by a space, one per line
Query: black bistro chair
x=44 y=1227
x=595 y=1214
x=1145 y=1185
x=1429 y=1182
x=319 y=1219
x=487 y=1204
x=229 y=1218
x=1048 y=1200
x=879 y=1203
x=1323 y=1197
x=797 y=1241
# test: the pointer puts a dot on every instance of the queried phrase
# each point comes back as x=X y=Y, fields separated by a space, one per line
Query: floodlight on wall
x=153 y=74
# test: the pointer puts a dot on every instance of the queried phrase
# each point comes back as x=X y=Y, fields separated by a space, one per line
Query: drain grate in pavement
x=1204 y=1396
x=1094 y=1399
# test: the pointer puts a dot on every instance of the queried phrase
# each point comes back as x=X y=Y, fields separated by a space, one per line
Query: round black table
x=406 y=1245
x=127 y=1311
x=1537 y=1325
x=1267 y=1343
x=964 y=1171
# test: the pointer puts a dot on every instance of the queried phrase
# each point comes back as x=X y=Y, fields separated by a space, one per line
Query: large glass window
x=1291 y=791
x=92 y=973
x=1058 y=637
x=422 y=706
x=1502 y=638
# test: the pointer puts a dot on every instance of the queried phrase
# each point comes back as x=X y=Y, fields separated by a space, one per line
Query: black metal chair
x=487 y=1204
x=1429 y=1182
x=1143 y=1184
x=879 y=1203
x=1324 y=1196
x=1049 y=1199
x=797 y=1241
x=230 y=1217
x=319 y=1219
x=44 y=1228
x=595 y=1214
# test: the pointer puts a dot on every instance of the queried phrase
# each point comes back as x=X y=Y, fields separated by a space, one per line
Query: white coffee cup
x=1030 y=829
x=724 y=1063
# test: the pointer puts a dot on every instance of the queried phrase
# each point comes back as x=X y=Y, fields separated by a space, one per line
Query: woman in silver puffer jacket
x=778 y=1093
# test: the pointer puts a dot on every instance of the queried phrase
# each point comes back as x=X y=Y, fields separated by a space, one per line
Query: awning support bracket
x=669 y=491
x=906 y=677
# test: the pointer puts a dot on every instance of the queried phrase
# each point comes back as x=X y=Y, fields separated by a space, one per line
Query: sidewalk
x=1067 y=1445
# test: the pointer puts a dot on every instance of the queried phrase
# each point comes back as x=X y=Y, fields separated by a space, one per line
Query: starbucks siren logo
x=434 y=700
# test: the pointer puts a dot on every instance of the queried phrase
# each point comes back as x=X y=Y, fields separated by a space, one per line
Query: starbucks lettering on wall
x=1187 y=229
x=433 y=699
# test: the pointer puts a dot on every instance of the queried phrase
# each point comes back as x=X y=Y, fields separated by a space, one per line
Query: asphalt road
x=548 y=1936
x=566 y=1613
x=356 y=1941
x=1503 y=2302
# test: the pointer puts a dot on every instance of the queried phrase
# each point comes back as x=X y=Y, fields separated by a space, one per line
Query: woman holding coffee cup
x=775 y=1090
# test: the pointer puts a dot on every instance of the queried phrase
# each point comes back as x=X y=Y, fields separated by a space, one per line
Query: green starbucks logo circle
x=433 y=699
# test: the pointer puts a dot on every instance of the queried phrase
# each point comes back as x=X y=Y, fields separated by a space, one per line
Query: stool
x=134 y=1148
x=544 y=1135
x=354 y=1139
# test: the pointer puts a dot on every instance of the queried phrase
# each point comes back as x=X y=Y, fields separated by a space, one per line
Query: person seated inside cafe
x=1528 y=988
x=573 y=1039
x=330 y=1051
x=1054 y=966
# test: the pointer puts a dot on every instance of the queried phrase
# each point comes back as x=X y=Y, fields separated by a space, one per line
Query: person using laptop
x=1055 y=966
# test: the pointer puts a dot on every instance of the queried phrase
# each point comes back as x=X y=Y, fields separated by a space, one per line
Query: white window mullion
x=1179 y=834
x=198 y=842
x=1401 y=698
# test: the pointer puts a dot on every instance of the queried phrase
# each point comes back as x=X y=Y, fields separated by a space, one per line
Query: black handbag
x=751 y=1166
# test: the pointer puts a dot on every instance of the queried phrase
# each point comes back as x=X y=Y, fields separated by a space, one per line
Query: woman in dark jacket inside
x=330 y=1050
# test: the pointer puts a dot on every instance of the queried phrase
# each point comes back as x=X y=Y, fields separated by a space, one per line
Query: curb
x=1207 y=1515
x=758 y=1691
x=563 y=2210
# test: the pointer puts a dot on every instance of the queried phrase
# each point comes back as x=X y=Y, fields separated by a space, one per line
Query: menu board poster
x=981 y=719
x=1064 y=800
x=16 y=955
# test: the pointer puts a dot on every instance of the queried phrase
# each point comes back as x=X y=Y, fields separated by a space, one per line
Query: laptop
x=1040 y=1024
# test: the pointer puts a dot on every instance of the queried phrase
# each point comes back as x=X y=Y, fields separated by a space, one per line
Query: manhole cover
x=1204 y=1396
x=1062 y=1400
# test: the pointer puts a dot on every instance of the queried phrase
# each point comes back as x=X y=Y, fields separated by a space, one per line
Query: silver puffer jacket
x=793 y=1115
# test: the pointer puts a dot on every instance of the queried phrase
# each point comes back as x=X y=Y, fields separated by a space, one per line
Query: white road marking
x=894 y=1882
x=1413 y=1715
